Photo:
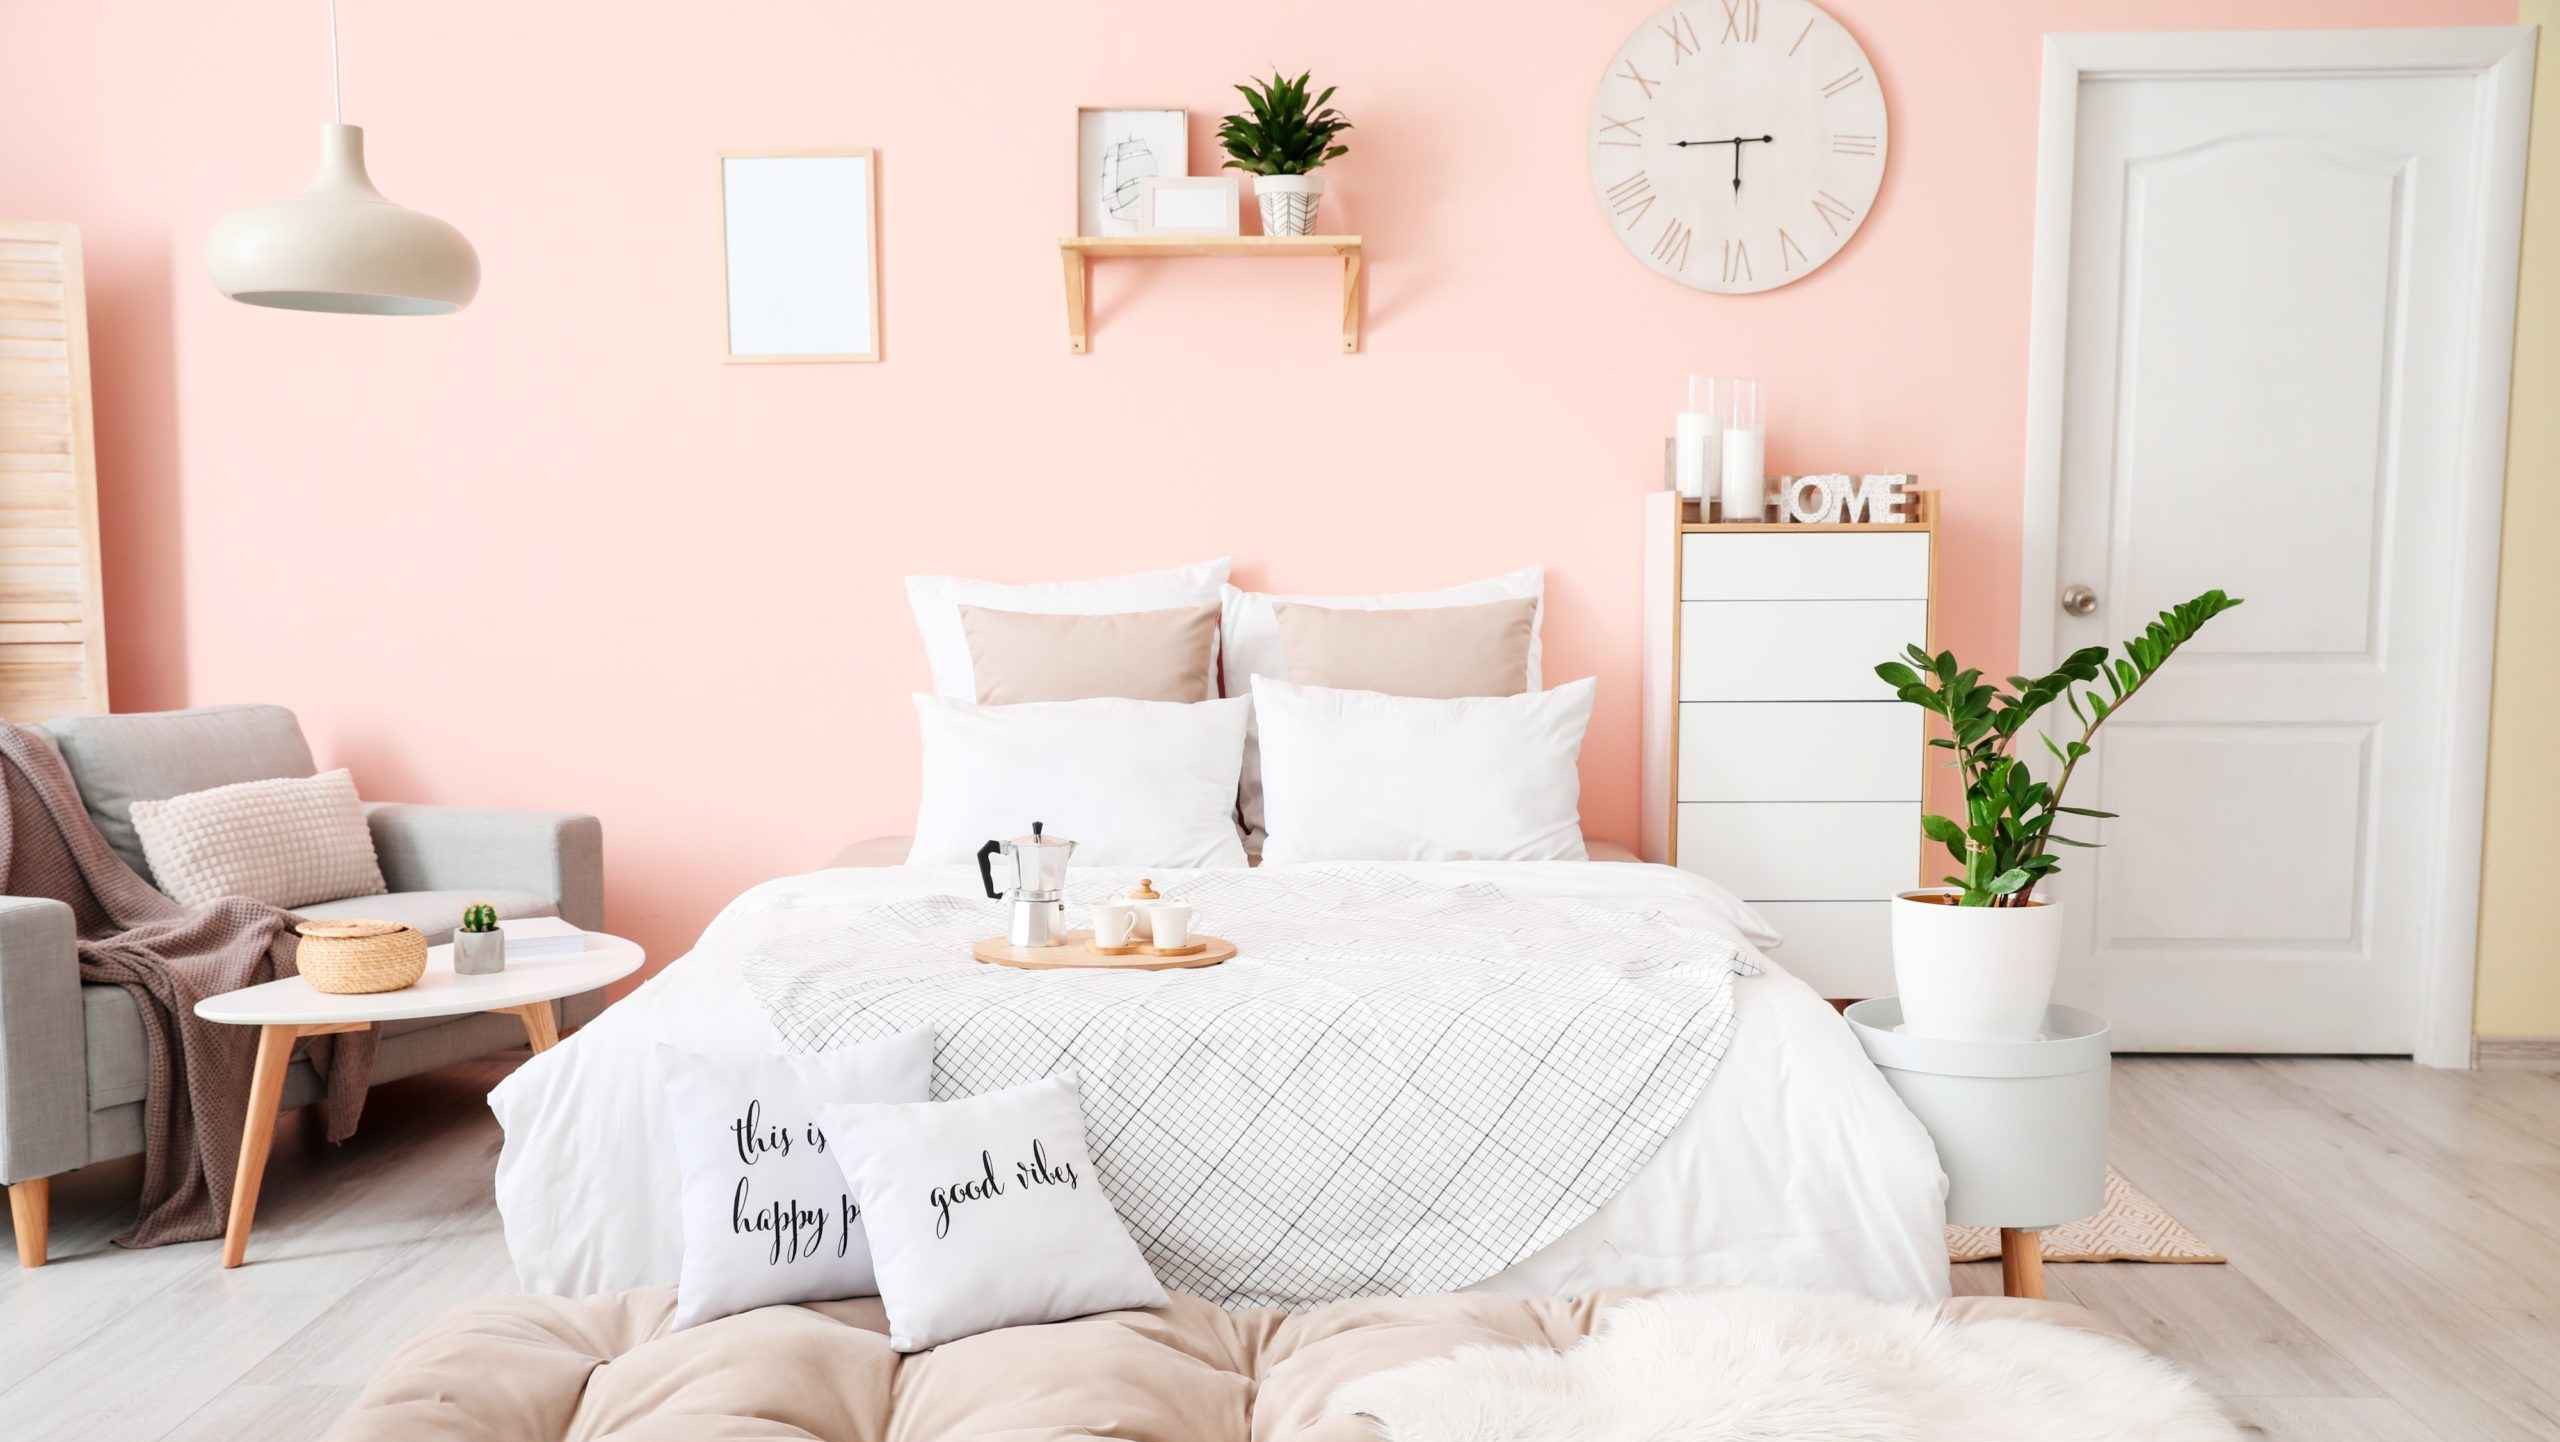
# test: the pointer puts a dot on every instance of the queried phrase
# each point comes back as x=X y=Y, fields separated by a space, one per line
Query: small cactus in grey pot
x=479 y=947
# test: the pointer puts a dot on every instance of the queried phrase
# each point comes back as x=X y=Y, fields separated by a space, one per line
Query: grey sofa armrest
x=559 y=854
x=44 y=1072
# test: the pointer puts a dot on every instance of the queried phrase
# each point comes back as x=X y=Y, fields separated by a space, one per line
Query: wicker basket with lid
x=347 y=958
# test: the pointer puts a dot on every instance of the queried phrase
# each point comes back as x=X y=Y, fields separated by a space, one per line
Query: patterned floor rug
x=2129 y=1228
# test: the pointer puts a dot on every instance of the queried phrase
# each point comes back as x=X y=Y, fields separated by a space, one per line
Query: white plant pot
x=1288 y=202
x=1974 y=973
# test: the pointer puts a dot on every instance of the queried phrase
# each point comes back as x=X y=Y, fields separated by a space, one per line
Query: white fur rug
x=1761 y=1366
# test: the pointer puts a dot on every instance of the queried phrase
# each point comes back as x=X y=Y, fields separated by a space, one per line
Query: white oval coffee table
x=291 y=1008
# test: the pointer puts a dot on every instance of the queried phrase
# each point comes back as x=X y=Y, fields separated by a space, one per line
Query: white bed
x=1796 y=1166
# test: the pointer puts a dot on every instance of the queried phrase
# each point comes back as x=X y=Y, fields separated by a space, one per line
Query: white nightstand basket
x=2021 y=1127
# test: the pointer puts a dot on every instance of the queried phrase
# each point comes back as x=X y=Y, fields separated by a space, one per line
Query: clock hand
x=1738 y=142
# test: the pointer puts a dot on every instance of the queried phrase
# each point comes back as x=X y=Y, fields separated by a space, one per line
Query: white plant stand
x=2021 y=1127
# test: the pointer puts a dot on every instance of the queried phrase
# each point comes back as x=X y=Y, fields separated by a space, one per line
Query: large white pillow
x=289 y=841
x=1131 y=783
x=937 y=600
x=1357 y=776
x=985 y=1212
x=766 y=1213
x=1249 y=636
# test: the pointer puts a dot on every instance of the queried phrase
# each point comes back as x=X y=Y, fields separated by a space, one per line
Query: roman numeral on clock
x=1672 y=247
x=1847 y=80
x=1633 y=131
x=1832 y=211
x=1741 y=22
x=1800 y=38
x=1638 y=77
x=1845 y=143
x=1684 y=36
x=1737 y=262
x=1787 y=246
x=1631 y=198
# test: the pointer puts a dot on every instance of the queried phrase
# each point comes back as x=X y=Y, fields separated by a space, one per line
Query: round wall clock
x=1736 y=145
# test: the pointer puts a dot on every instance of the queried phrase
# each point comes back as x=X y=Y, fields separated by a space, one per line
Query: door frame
x=2500 y=58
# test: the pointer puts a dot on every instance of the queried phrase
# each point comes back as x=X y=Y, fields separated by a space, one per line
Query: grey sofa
x=72 y=1056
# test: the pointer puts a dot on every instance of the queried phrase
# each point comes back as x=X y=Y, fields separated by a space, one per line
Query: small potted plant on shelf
x=1976 y=961
x=1281 y=144
x=479 y=947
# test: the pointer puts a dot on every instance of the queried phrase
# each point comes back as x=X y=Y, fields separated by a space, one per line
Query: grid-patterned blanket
x=1397 y=1086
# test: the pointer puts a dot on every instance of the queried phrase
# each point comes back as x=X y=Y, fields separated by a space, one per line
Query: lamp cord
x=337 y=94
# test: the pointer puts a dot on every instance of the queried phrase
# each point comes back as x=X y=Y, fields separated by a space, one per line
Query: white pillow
x=767 y=1215
x=1131 y=783
x=1249 y=634
x=937 y=600
x=287 y=842
x=1357 y=776
x=985 y=1213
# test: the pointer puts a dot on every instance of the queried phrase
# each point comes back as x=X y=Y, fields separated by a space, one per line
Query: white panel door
x=2271 y=315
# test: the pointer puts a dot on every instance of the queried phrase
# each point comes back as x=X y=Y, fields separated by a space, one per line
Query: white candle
x=1694 y=454
x=1745 y=489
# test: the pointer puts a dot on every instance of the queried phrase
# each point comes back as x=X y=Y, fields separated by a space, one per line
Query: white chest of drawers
x=1774 y=760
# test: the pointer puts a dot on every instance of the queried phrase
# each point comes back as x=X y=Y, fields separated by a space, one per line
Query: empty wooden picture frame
x=800 y=242
x=1194 y=205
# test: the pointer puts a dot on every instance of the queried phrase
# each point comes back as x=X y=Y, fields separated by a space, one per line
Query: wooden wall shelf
x=1077 y=251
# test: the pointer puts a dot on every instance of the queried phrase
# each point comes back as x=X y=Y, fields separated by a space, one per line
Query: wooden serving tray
x=1078 y=954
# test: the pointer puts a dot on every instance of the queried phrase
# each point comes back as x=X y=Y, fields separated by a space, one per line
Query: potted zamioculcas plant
x=1976 y=960
x=1281 y=144
x=479 y=947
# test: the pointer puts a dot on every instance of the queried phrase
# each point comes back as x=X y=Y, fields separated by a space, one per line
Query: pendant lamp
x=340 y=246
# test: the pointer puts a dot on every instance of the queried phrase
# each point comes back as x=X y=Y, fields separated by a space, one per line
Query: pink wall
x=551 y=551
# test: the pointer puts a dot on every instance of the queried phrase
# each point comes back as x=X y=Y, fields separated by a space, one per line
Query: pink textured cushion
x=1020 y=656
x=1439 y=653
x=543 y=1369
x=288 y=841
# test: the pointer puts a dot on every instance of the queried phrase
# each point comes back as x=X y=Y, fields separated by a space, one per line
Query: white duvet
x=1797 y=1167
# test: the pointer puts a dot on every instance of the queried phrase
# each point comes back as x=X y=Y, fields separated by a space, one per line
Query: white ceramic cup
x=1172 y=923
x=1112 y=923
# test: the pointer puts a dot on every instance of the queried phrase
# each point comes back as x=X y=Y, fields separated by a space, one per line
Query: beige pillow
x=1439 y=653
x=1019 y=656
x=287 y=842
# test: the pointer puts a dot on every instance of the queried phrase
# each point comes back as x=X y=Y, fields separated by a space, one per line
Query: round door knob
x=2079 y=600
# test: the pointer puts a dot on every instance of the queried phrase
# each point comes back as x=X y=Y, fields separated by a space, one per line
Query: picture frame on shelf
x=800 y=255
x=1118 y=149
x=1193 y=205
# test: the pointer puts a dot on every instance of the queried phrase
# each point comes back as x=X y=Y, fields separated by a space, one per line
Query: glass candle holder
x=1696 y=444
x=1742 y=484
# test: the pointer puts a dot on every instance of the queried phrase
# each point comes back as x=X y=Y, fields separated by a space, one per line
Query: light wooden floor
x=2394 y=1234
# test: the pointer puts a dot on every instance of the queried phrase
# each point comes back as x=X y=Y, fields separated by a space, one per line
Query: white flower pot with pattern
x=1974 y=973
x=1288 y=202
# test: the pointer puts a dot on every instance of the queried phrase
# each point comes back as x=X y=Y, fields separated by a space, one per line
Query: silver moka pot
x=1035 y=881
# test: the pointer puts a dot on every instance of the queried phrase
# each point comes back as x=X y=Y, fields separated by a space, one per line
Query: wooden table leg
x=2021 y=1263
x=266 y=1089
x=541 y=1027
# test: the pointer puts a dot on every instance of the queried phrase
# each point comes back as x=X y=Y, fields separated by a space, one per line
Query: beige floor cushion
x=546 y=1369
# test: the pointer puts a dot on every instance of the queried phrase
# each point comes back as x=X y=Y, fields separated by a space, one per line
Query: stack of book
x=537 y=937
